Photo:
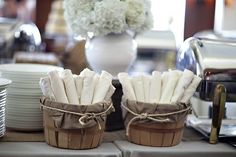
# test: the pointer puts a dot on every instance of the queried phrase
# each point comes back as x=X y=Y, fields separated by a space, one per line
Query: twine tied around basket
x=154 y=117
x=83 y=116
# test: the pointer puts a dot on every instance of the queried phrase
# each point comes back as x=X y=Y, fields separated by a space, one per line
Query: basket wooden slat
x=157 y=134
x=63 y=140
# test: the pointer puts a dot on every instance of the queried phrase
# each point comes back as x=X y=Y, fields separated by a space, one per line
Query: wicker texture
x=74 y=126
x=159 y=125
x=84 y=138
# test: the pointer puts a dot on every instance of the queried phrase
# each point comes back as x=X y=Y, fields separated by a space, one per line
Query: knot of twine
x=84 y=117
x=83 y=120
x=154 y=117
x=143 y=116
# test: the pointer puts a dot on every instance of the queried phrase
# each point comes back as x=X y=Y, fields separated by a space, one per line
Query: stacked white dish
x=23 y=106
x=3 y=96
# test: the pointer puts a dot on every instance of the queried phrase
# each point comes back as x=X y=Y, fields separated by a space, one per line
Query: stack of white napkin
x=163 y=88
x=86 y=88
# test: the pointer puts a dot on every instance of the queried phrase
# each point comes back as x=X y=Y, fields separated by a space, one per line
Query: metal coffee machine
x=215 y=62
x=16 y=35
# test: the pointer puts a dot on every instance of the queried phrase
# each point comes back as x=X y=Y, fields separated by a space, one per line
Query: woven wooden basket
x=65 y=127
x=158 y=125
x=84 y=138
x=156 y=134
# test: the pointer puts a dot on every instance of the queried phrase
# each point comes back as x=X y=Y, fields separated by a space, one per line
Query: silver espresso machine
x=214 y=60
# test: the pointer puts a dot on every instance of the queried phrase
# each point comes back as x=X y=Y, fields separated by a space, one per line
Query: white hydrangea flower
x=102 y=17
x=110 y=17
x=77 y=15
x=138 y=13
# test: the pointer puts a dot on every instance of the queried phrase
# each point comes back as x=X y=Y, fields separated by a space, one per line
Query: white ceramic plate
x=27 y=97
x=3 y=90
x=24 y=109
x=18 y=91
x=22 y=85
x=22 y=103
x=23 y=125
x=24 y=128
x=22 y=78
x=24 y=122
x=24 y=94
x=28 y=68
x=25 y=119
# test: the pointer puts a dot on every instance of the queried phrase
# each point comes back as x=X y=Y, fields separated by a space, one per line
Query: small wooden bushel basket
x=155 y=125
x=65 y=127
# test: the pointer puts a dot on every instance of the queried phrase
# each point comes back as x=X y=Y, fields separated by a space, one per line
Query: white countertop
x=184 y=149
x=118 y=149
x=41 y=149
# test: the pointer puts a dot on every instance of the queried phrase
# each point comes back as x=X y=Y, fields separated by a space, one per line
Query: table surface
x=41 y=149
x=184 y=149
x=117 y=149
x=115 y=145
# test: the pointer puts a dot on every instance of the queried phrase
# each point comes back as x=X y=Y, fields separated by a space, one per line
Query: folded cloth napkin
x=79 y=85
x=138 y=87
x=188 y=93
x=88 y=73
x=127 y=86
x=110 y=92
x=146 y=87
x=164 y=79
x=89 y=84
x=70 y=87
x=46 y=88
x=102 y=87
x=167 y=92
x=155 y=87
x=57 y=87
x=182 y=84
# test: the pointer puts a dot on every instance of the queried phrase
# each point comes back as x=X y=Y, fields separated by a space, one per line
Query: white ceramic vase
x=113 y=53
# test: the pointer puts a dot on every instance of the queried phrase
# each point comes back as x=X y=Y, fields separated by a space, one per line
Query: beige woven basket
x=156 y=134
x=59 y=132
x=163 y=128
x=84 y=138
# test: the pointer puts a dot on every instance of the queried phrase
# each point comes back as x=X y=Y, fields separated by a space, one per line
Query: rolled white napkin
x=188 y=93
x=79 y=85
x=127 y=86
x=57 y=87
x=87 y=72
x=146 y=87
x=138 y=87
x=109 y=94
x=70 y=87
x=102 y=87
x=182 y=84
x=46 y=88
x=167 y=92
x=155 y=87
x=88 y=89
x=164 y=80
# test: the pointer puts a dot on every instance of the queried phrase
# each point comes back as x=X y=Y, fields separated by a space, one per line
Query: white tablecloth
x=184 y=149
x=41 y=149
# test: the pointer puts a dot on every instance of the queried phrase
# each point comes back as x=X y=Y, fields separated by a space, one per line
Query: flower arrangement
x=102 y=17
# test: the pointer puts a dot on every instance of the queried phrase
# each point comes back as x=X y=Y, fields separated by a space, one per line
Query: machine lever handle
x=218 y=112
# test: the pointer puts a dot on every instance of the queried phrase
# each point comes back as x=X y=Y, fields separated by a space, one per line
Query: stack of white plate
x=23 y=106
x=3 y=97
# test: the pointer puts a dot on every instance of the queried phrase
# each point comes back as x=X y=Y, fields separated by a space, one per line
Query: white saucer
x=4 y=82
